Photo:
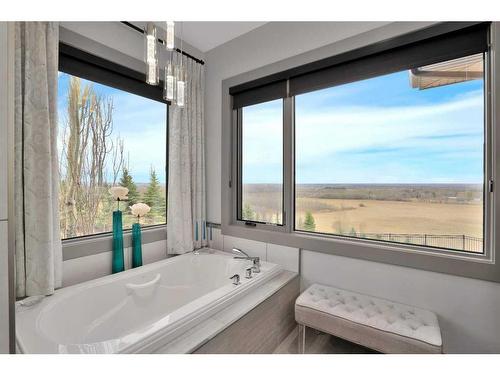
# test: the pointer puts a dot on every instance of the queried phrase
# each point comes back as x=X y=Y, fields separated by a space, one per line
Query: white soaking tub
x=138 y=310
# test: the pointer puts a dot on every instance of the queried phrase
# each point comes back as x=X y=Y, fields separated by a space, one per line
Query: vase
x=136 y=245
x=118 y=258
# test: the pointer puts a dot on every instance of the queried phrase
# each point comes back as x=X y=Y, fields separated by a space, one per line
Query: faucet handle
x=248 y=273
x=236 y=279
x=256 y=265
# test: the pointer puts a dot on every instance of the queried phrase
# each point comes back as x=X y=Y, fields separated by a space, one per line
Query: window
x=383 y=153
x=107 y=137
x=396 y=158
x=262 y=163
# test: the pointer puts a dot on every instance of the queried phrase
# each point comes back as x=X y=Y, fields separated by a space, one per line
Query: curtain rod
x=138 y=29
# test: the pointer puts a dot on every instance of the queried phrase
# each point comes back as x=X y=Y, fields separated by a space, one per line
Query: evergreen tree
x=309 y=223
x=248 y=212
x=127 y=181
x=153 y=196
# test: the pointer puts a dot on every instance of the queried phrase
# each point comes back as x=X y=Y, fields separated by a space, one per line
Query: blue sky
x=378 y=130
x=140 y=122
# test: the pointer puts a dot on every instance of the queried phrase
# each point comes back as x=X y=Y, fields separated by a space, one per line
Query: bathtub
x=139 y=310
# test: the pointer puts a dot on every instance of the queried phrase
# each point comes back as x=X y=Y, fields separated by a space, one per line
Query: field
x=439 y=215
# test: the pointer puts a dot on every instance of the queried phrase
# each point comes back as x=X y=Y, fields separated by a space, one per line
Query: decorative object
x=138 y=210
x=119 y=193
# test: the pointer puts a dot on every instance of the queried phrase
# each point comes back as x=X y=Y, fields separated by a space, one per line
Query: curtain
x=38 y=245
x=186 y=208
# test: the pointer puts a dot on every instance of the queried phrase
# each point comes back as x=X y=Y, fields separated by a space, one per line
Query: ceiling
x=206 y=35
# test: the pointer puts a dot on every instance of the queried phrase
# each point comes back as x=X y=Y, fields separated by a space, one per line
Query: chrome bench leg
x=301 y=338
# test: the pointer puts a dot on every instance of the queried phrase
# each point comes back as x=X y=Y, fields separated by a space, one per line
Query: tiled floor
x=320 y=343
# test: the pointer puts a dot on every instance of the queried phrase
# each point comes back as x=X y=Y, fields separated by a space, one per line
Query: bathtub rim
x=148 y=337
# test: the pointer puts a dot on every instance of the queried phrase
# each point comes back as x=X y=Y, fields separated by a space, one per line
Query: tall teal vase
x=136 y=245
x=118 y=258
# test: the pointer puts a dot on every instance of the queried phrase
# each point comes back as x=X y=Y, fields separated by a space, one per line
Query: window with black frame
x=389 y=143
x=261 y=162
x=397 y=157
x=107 y=136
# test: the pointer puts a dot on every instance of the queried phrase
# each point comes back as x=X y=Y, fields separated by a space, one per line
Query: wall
x=468 y=309
x=6 y=106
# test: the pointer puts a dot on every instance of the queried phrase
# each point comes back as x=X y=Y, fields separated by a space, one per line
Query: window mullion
x=288 y=162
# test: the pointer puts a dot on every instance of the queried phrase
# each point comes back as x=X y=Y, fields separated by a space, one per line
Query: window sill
x=477 y=266
x=101 y=243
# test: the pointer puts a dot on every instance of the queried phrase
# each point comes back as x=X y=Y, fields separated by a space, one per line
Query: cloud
x=439 y=140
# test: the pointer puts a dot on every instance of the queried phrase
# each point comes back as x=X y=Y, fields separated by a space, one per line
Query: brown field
x=449 y=216
x=374 y=216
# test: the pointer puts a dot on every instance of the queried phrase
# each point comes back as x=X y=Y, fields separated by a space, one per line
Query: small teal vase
x=118 y=258
x=136 y=245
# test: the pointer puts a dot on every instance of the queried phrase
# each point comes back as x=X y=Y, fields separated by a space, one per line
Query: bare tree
x=86 y=148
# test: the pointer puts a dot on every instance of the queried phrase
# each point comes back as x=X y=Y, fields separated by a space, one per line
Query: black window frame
x=79 y=63
x=239 y=161
x=481 y=266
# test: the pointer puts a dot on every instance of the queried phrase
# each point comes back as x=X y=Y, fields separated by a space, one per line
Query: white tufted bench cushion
x=385 y=326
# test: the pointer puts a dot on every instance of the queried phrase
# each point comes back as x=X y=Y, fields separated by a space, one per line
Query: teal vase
x=136 y=245
x=118 y=258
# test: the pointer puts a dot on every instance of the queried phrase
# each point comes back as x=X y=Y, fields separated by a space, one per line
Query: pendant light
x=181 y=80
x=151 y=55
x=169 y=81
x=170 y=40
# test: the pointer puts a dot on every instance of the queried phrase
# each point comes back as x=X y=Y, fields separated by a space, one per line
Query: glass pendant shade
x=169 y=83
x=151 y=56
x=181 y=88
x=170 y=35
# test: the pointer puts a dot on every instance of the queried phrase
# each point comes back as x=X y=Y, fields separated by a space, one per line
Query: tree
x=85 y=154
x=248 y=212
x=127 y=181
x=309 y=223
x=153 y=196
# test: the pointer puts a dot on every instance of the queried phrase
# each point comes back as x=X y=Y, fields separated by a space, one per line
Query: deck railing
x=447 y=241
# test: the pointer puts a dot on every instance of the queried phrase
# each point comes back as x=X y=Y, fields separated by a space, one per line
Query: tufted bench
x=382 y=325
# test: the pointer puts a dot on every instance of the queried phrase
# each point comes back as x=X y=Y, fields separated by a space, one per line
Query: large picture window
x=386 y=147
x=396 y=158
x=107 y=137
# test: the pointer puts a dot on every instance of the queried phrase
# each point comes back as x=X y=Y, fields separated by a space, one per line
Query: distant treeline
x=442 y=193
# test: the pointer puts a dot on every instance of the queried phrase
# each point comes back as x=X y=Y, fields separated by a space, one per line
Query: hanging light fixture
x=181 y=80
x=170 y=40
x=169 y=83
x=151 y=55
x=174 y=74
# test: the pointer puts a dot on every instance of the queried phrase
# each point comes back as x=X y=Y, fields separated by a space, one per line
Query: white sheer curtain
x=38 y=244
x=186 y=212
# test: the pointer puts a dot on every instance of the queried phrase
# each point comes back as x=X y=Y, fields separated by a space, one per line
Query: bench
x=375 y=323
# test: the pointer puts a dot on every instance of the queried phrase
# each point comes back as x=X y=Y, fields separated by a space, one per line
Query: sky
x=378 y=130
x=139 y=121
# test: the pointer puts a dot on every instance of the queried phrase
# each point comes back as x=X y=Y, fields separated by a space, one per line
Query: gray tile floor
x=320 y=343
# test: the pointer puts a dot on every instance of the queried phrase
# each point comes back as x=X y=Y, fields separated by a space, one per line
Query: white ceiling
x=207 y=35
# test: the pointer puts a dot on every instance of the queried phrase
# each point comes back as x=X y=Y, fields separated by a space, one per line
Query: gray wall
x=468 y=309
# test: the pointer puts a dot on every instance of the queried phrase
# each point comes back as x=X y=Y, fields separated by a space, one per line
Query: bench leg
x=301 y=339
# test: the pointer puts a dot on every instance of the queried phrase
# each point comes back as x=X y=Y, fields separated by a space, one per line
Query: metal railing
x=448 y=241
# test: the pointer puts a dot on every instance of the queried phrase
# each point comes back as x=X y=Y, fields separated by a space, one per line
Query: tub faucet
x=255 y=260
x=236 y=279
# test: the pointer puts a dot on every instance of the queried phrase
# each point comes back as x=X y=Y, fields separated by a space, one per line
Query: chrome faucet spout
x=239 y=251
